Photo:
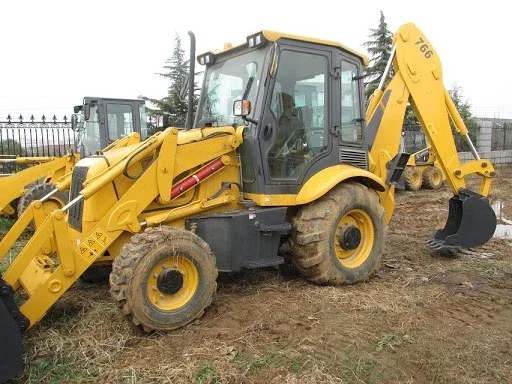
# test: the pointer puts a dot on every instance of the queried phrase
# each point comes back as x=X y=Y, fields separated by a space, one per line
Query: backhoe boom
x=418 y=80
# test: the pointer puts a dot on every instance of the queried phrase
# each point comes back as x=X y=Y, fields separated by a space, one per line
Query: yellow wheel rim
x=416 y=178
x=172 y=301
x=437 y=178
x=353 y=258
x=51 y=205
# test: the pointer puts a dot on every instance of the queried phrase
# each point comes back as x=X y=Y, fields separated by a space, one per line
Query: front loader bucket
x=471 y=222
x=11 y=360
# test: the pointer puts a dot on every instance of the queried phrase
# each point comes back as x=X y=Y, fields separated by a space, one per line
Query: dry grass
x=422 y=319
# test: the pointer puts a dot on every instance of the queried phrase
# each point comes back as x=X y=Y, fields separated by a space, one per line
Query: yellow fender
x=328 y=178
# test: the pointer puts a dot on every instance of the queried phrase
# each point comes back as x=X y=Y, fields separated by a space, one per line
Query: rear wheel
x=432 y=177
x=56 y=201
x=339 y=238
x=412 y=178
x=164 y=278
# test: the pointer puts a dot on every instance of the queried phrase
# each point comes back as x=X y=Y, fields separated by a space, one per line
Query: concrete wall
x=496 y=157
x=484 y=139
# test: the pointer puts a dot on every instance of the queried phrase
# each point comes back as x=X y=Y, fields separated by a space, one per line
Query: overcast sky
x=55 y=52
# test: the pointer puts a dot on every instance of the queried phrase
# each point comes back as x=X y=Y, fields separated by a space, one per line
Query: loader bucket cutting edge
x=11 y=358
x=471 y=223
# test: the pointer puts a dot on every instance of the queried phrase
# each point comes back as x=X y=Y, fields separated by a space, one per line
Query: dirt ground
x=423 y=318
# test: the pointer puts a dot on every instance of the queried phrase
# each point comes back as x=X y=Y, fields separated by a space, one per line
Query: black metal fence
x=31 y=137
x=501 y=137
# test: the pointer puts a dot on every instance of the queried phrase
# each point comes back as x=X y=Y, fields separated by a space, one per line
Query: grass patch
x=264 y=361
x=392 y=341
x=492 y=268
x=207 y=374
x=5 y=224
x=59 y=368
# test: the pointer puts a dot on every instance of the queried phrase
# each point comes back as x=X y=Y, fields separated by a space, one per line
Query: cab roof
x=274 y=36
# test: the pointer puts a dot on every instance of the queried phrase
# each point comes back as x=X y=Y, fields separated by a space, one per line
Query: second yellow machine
x=282 y=163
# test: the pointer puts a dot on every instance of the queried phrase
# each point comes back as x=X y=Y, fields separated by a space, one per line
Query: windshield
x=233 y=79
x=88 y=137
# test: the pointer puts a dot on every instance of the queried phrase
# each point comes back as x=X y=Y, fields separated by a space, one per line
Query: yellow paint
x=318 y=185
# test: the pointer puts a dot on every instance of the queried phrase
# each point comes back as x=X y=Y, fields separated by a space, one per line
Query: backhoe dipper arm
x=418 y=80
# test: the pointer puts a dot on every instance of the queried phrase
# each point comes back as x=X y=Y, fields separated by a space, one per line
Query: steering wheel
x=294 y=137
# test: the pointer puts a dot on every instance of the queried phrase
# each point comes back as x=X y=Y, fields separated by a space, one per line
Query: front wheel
x=164 y=278
x=339 y=238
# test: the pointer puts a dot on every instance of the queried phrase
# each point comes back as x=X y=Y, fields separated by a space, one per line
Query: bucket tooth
x=471 y=222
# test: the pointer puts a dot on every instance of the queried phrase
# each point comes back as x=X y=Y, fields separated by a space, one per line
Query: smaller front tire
x=164 y=278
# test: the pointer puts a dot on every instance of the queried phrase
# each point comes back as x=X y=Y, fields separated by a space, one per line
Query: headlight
x=256 y=40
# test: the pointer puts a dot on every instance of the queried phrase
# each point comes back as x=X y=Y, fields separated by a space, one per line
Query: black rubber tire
x=412 y=178
x=131 y=270
x=61 y=198
x=432 y=177
x=97 y=273
x=314 y=232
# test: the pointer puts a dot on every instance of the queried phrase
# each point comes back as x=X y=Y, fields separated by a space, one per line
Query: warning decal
x=93 y=245
x=86 y=252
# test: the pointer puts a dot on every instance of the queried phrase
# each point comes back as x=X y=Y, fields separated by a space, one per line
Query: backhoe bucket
x=471 y=223
x=11 y=359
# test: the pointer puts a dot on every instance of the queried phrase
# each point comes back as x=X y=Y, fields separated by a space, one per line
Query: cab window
x=119 y=121
x=351 y=122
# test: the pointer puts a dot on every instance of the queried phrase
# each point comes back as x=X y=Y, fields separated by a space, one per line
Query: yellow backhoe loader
x=99 y=123
x=281 y=162
x=421 y=170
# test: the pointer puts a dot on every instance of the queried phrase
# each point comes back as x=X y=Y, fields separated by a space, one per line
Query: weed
x=263 y=362
x=387 y=341
x=5 y=224
x=296 y=365
x=207 y=374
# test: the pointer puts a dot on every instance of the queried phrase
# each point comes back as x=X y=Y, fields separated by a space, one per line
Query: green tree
x=176 y=70
x=379 y=49
x=464 y=108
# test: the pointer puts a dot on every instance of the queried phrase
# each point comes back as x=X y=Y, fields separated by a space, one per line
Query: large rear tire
x=432 y=177
x=164 y=278
x=56 y=201
x=412 y=178
x=339 y=238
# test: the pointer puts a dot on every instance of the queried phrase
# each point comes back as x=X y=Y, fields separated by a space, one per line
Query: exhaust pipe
x=191 y=84
x=471 y=223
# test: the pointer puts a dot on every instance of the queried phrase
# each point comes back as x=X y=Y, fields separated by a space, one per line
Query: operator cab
x=306 y=107
x=99 y=122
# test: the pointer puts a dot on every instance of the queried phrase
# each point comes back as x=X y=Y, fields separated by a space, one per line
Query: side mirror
x=184 y=87
x=74 y=122
x=77 y=108
x=241 y=108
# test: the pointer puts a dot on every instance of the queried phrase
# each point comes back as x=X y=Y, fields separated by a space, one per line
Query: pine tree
x=379 y=48
x=177 y=69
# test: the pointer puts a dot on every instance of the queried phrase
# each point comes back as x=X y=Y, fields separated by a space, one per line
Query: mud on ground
x=422 y=319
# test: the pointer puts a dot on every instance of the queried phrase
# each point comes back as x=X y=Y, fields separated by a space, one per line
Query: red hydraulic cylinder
x=196 y=178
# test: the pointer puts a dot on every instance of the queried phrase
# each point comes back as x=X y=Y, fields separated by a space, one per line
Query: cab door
x=295 y=132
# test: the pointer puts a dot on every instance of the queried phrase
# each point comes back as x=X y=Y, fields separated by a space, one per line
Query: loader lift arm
x=418 y=80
